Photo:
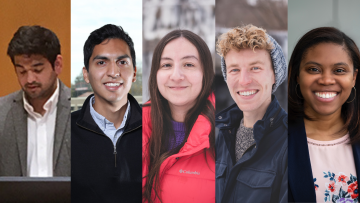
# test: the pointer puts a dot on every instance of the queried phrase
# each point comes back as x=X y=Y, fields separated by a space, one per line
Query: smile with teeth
x=248 y=93
x=326 y=95
x=114 y=84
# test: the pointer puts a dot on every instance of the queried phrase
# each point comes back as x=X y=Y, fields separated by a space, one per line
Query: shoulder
x=7 y=101
x=11 y=97
x=64 y=90
x=134 y=105
x=75 y=115
x=228 y=116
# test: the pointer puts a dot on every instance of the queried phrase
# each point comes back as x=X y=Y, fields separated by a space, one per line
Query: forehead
x=179 y=48
x=28 y=59
x=247 y=56
x=111 y=48
x=327 y=53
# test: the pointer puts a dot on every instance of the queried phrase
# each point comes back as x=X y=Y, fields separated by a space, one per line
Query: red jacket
x=187 y=176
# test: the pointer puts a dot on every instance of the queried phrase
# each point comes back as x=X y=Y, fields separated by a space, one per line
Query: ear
x=58 y=64
x=134 y=76
x=354 y=77
x=85 y=74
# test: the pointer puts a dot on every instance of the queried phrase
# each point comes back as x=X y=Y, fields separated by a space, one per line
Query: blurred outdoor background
x=272 y=15
x=161 y=17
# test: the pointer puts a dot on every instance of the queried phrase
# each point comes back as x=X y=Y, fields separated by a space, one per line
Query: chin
x=247 y=107
x=325 y=111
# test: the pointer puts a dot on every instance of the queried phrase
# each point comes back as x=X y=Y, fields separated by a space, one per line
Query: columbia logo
x=189 y=172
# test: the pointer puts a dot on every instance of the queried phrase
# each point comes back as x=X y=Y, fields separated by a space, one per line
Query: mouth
x=177 y=87
x=113 y=84
x=32 y=87
x=326 y=95
x=248 y=93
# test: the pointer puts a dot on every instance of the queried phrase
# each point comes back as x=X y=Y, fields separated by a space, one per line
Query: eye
x=234 y=70
x=123 y=62
x=37 y=70
x=189 y=65
x=340 y=70
x=100 y=63
x=313 y=69
x=255 y=68
x=166 y=65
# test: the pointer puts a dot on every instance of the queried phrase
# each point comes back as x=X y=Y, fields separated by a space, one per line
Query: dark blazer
x=13 y=135
x=301 y=183
x=260 y=175
x=101 y=172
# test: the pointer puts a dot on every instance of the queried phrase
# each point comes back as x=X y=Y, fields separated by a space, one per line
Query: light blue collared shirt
x=106 y=126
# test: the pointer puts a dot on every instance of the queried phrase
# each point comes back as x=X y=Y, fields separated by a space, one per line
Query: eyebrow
x=312 y=63
x=185 y=57
x=256 y=62
x=106 y=58
x=34 y=65
x=318 y=64
x=252 y=63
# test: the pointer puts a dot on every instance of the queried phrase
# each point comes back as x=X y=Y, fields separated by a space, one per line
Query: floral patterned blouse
x=333 y=169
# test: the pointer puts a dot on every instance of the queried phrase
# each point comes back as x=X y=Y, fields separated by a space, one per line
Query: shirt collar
x=101 y=121
x=49 y=105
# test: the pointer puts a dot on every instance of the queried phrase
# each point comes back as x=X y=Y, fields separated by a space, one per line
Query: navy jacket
x=301 y=183
x=99 y=172
x=260 y=175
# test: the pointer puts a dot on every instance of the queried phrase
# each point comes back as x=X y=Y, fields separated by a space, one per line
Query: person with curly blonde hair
x=251 y=135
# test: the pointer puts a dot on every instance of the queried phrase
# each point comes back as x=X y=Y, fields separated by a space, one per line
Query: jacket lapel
x=301 y=183
x=19 y=117
x=356 y=151
x=62 y=116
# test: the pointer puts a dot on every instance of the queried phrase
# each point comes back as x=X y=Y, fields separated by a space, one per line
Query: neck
x=38 y=103
x=178 y=114
x=114 y=112
x=251 y=117
x=324 y=127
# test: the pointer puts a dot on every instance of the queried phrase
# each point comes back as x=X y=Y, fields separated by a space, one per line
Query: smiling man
x=35 y=121
x=251 y=143
x=106 y=132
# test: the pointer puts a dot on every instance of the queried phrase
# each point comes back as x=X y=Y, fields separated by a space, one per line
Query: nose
x=113 y=70
x=245 y=78
x=177 y=73
x=326 y=78
x=30 y=77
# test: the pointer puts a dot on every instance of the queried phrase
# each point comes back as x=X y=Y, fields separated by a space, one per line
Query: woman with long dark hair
x=324 y=114
x=178 y=122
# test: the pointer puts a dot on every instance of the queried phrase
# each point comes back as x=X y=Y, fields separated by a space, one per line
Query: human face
x=250 y=78
x=326 y=77
x=180 y=75
x=111 y=72
x=36 y=75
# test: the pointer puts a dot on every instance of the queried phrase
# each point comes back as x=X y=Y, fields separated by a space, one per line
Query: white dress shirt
x=40 y=134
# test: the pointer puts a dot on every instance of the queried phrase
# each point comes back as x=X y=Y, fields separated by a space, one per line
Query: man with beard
x=35 y=121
